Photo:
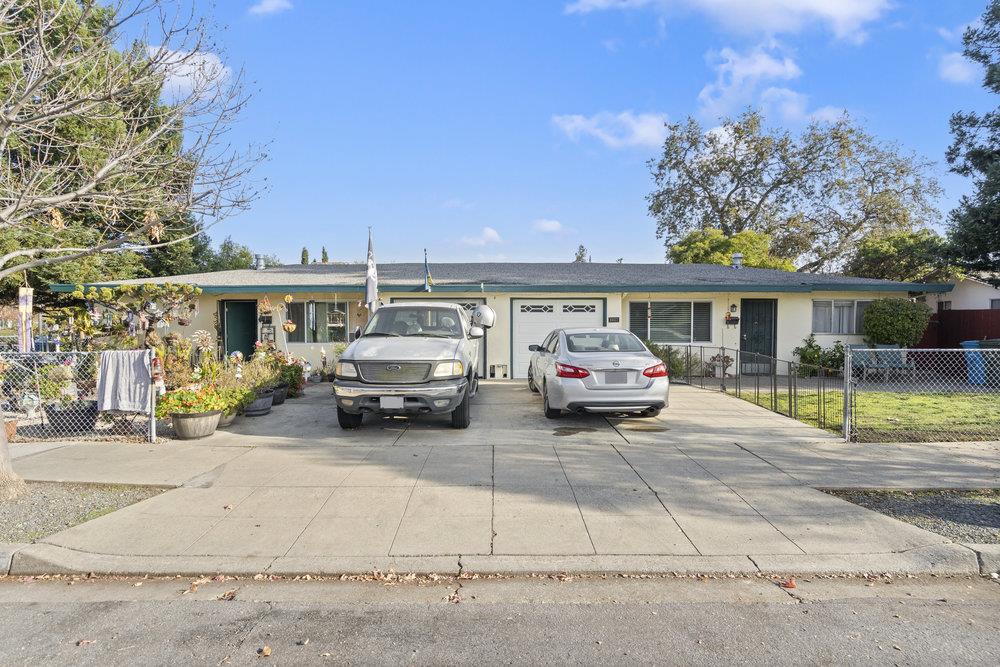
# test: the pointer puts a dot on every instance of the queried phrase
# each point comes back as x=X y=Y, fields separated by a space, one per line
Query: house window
x=318 y=322
x=839 y=316
x=944 y=305
x=994 y=304
x=671 y=321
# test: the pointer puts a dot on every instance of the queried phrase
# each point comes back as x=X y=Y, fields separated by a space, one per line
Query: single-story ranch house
x=757 y=310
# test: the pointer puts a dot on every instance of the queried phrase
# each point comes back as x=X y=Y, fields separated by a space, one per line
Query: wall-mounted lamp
x=732 y=308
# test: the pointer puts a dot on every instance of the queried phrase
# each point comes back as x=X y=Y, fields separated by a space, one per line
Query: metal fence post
x=847 y=395
x=152 y=397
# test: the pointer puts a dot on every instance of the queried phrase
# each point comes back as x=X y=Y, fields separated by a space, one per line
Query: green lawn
x=882 y=416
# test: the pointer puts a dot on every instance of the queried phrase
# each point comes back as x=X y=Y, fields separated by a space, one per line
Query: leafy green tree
x=711 y=246
x=232 y=256
x=581 y=254
x=895 y=322
x=816 y=194
x=920 y=256
x=324 y=257
x=974 y=230
x=305 y=255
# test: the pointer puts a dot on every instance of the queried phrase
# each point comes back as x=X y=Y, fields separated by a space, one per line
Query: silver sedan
x=597 y=370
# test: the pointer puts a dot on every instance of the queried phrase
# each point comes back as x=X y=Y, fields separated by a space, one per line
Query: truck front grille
x=394 y=372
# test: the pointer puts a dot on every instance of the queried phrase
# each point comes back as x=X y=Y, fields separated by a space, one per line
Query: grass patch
x=883 y=416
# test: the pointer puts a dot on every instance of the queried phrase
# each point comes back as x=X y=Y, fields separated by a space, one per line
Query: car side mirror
x=534 y=348
x=476 y=332
x=357 y=333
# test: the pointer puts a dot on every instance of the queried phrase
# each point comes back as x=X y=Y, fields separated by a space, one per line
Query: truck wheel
x=549 y=412
x=348 y=421
x=461 y=416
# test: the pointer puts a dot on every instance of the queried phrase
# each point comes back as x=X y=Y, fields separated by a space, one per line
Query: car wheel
x=461 y=416
x=349 y=420
x=531 y=383
x=549 y=412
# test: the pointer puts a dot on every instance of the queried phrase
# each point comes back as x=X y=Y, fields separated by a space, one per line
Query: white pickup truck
x=417 y=357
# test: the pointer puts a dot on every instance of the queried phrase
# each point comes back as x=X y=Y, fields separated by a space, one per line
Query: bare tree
x=114 y=116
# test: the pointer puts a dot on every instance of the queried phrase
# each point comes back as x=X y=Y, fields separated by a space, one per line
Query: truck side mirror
x=484 y=316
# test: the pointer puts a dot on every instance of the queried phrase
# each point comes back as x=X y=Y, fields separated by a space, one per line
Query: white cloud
x=793 y=107
x=546 y=226
x=956 y=68
x=265 y=7
x=187 y=72
x=615 y=130
x=845 y=18
x=488 y=236
x=828 y=114
x=739 y=75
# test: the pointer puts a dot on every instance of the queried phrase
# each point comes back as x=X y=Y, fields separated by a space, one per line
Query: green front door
x=240 y=326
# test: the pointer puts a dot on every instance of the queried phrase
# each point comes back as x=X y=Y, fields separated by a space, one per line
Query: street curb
x=7 y=551
x=989 y=557
x=946 y=559
x=936 y=559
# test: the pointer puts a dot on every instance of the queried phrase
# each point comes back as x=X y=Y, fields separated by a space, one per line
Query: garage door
x=469 y=305
x=535 y=318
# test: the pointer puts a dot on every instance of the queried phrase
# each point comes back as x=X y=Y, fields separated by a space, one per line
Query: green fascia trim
x=598 y=289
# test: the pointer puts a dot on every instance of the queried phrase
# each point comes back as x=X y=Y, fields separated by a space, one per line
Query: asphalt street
x=534 y=620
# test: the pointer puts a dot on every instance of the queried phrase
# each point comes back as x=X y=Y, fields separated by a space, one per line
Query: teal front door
x=239 y=326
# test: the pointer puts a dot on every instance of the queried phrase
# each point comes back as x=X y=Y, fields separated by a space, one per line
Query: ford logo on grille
x=394 y=367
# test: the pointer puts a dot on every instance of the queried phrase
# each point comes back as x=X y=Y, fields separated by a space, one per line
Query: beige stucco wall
x=794 y=315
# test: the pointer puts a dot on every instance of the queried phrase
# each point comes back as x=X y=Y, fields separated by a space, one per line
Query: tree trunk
x=11 y=486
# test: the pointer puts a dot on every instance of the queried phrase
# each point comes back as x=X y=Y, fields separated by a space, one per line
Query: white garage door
x=535 y=318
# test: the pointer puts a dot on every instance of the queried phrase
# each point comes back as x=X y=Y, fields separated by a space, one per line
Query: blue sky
x=496 y=131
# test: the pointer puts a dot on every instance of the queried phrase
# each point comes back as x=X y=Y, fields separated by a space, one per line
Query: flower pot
x=227 y=419
x=261 y=405
x=289 y=326
x=10 y=425
x=191 y=426
x=75 y=417
x=280 y=393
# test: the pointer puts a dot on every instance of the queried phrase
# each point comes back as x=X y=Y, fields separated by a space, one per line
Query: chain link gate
x=53 y=396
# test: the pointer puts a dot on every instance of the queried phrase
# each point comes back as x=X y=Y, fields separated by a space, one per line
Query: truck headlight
x=345 y=369
x=449 y=369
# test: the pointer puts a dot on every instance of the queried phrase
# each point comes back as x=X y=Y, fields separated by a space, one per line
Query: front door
x=239 y=326
x=758 y=335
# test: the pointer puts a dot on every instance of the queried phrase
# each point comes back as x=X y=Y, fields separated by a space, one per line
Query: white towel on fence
x=124 y=381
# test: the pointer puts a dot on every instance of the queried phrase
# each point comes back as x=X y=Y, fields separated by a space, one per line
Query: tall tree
x=324 y=257
x=232 y=256
x=974 y=230
x=920 y=256
x=712 y=246
x=581 y=254
x=816 y=194
x=305 y=255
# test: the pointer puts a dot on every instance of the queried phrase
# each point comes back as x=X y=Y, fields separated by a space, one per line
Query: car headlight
x=449 y=369
x=345 y=369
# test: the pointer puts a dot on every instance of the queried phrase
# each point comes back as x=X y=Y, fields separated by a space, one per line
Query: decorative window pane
x=580 y=308
x=537 y=308
x=702 y=326
x=638 y=322
x=822 y=317
x=670 y=322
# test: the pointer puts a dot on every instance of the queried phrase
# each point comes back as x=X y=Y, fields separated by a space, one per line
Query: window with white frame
x=839 y=316
x=319 y=322
x=671 y=321
x=994 y=304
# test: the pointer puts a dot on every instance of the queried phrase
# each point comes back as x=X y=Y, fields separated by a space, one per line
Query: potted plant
x=64 y=411
x=260 y=375
x=194 y=413
x=237 y=399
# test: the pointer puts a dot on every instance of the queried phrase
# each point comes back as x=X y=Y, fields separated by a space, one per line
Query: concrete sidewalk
x=714 y=485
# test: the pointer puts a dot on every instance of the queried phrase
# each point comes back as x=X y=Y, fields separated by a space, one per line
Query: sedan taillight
x=657 y=371
x=567 y=371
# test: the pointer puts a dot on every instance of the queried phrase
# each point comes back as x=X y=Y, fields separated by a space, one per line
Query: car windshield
x=598 y=341
x=415 y=321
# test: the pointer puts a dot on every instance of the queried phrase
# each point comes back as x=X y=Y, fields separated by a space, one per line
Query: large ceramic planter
x=261 y=405
x=75 y=417
x=227 y=419
x=195 y=425
x=280 y=394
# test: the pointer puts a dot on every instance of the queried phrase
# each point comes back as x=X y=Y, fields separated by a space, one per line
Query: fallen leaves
x=788 y=583
x=228 y=595
x=264 y=651
x=84 y=642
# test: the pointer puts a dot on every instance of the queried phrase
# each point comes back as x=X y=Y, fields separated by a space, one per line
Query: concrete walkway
x=713 y=485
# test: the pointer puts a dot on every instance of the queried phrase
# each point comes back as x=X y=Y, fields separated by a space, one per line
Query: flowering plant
x=190 y=401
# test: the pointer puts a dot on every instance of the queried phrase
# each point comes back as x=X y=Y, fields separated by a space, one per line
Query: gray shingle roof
x=594 y=277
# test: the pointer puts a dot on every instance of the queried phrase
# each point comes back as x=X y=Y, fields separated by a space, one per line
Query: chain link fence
x=53 y=396
x=923 y=395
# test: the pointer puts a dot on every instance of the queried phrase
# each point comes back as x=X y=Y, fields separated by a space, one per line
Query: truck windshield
x=415 y=321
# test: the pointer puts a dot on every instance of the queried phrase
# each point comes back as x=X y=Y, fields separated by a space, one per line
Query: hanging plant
x=289 y=326
x=264 y=306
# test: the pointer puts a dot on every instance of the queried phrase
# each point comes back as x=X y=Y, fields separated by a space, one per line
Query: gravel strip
x=962 y=516
x=49 y=507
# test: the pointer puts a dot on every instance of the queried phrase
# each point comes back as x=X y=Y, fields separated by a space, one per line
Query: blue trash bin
x=975 y=368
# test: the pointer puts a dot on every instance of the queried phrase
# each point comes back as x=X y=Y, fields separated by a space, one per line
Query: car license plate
x=390 y=402
x=615 y=377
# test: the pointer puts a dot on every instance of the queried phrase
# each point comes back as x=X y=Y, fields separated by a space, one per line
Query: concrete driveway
x=713 y=484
